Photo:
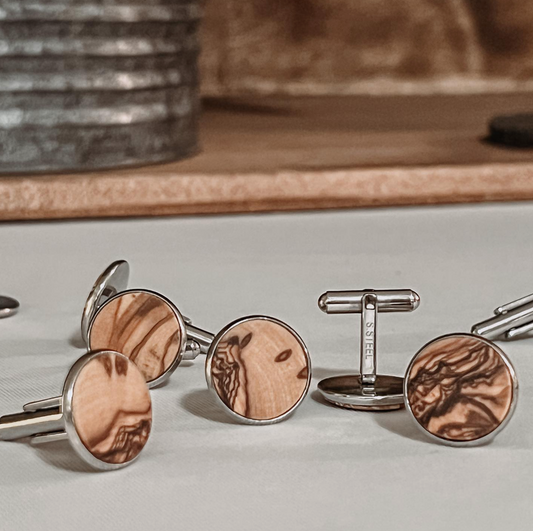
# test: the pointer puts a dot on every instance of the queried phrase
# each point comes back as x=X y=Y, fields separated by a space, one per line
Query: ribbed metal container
x=97 y=84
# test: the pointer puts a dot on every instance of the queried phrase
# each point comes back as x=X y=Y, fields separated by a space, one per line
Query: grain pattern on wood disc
x=459 y=388
x=143 y=327
x=259 y=369
x=112 y=409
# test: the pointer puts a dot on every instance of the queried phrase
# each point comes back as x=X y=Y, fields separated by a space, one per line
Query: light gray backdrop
x=324 y=468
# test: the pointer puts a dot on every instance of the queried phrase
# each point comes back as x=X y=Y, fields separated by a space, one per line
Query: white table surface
x=324 y=468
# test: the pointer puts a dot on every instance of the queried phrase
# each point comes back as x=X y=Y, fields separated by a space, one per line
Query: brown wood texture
x=112 y=408
x=366 y=47
x=459 y=388
x=260 y=369
x=143 y=327
x=304 y=153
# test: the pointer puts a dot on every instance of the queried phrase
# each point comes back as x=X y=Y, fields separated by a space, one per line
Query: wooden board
x=304 y=153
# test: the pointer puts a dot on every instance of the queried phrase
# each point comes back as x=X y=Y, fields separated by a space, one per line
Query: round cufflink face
x=259 y=368
x=145 y=327
x=107 y=409
x=113 y=280
x=386 y=394
x=461 y=389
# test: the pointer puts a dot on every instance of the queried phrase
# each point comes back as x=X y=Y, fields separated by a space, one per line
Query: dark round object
x=514 y=130
x=8 y=306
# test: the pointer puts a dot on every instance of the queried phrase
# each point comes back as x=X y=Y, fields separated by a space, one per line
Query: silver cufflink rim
x=211 y=386
x=113 y=280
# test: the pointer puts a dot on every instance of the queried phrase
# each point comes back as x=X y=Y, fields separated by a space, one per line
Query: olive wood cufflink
x=141 y=324
x=258 y=367
x=461 y=389
x=105 y=411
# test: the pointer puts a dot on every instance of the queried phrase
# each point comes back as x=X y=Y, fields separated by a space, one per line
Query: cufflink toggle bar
x=366 y=390
x=511 y=321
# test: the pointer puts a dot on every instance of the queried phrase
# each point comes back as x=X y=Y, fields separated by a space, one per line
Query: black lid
x=512 y=130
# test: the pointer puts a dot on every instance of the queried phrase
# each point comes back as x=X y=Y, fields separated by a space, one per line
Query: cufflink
x=105 y=412
x=461 y=389
x=368 y=390
x=8 y=306
x=141 y=324
x=258 y=367
x=513 y=320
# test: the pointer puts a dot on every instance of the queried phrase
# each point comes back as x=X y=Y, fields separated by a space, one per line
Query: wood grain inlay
x=143 y=327
x=112 y=409
x=459 y=388
x=260 y=369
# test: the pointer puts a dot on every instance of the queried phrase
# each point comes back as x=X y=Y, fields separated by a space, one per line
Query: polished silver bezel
x=181 y=322
x=69 y=416
x=383 y=402
x=211 y=386
x=486 y=438
x=115 y=279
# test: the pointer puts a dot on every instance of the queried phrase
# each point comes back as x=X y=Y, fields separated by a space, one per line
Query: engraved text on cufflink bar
x=259 y=369
x=461 y=389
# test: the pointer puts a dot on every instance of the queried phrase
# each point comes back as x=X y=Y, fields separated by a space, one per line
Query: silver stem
x=513 y=305
x=199 y=336
x=27 y=424
x=368 y=340
x=39 y=405
x=523 y=330
x=49 y=437
x=504 y=321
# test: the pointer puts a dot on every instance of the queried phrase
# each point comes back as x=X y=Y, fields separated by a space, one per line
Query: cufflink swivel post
x=513 y=320
x=367 y=390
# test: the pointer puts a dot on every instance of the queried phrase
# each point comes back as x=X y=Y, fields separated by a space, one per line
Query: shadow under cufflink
x=60 y=455
x=317 y=397
x=202 y=404
x=75 y=340
x=320 y=373
x=399 y=423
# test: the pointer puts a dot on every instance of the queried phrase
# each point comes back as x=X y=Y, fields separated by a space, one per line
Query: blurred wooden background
x=409 y=87
x=366 y=46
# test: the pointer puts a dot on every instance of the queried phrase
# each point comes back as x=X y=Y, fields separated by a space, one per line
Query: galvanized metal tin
x=87 y=85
